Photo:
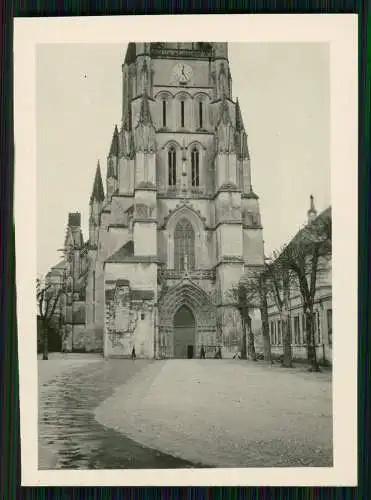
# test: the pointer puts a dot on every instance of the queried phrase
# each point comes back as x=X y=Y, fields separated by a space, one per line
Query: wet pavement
x=69 y=435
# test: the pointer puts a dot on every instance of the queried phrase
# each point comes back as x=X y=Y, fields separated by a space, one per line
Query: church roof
x=126 y=254
x=98 y=191
x=115 y=144
x=121 y=255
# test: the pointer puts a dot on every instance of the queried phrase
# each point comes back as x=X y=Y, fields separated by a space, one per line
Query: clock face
x=182 y=73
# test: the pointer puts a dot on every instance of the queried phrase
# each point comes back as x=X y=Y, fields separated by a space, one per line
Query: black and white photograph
x=188 y=214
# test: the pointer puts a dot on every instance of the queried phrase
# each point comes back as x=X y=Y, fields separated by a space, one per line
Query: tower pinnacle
x=98 y=191
x=312 y=212
x=115 y=144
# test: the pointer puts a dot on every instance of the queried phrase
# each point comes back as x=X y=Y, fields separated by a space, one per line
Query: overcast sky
x=283 y=90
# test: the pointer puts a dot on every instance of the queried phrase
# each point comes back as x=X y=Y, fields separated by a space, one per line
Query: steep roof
x=121 y=255
x=98 y=191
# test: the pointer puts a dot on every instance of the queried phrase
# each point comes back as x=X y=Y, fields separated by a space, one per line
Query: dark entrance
x=184 y=333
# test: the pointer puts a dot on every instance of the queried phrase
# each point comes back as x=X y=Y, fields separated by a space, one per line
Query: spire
x=239 y=121
x=98 y=191
x=115 y=145
x=145 y=113
x=312 y=212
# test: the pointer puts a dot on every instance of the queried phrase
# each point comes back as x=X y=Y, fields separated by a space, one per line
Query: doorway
x=184 y=333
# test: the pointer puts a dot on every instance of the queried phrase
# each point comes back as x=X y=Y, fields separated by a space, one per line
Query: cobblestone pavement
x=69 y=435
x=227 y=413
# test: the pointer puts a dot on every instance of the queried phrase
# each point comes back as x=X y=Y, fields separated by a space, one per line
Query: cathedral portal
x=187 y=320
x=184 y=333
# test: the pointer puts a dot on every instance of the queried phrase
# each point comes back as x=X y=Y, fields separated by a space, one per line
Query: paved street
x=194 y=412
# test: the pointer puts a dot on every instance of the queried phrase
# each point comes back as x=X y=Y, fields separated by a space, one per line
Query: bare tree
x=250 y=293
x=279 y=280
x=47 y=297
x=302 y=257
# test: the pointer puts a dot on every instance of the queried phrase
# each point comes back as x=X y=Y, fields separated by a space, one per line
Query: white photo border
x=341 y=32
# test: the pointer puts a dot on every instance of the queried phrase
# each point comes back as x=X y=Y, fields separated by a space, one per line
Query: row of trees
x=295 y=266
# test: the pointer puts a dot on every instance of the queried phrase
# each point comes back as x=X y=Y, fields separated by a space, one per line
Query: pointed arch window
x=184 y=246
x=172 y=166
x=195 y=166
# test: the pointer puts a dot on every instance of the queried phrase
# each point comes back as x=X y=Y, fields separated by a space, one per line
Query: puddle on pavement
x=67 y=424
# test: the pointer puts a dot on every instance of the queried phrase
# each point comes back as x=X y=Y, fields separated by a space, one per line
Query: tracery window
x=195 y=166
x=172 y=166
x=184 y=246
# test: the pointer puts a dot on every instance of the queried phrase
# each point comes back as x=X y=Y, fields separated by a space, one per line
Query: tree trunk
x=244 y=340
x=311 y=347
x=45 y=342
x=252 y=352
x=286 y=339
x=265 y=323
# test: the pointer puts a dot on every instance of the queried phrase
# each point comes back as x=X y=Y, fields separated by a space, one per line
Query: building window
x=200 y=112
x=271 y=332
x=329 y=326
x=164 y=103
x=182 y=114
x=184 y=246
x=279 y=333
x=172 y=166
x=303 y=329
x=195 y=163
x=317 y=328
x=296 y=329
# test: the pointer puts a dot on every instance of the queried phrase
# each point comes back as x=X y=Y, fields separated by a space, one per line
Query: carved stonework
x=143 y=212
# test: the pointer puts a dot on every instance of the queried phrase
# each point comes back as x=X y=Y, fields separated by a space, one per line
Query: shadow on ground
x=71 y=438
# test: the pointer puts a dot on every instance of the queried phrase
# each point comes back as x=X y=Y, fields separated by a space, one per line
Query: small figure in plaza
x=237 y=355
x=133 y=355
x=219 y=353
x=202 y=354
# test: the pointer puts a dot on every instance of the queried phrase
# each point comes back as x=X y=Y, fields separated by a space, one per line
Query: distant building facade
x=178 y=222
x=322 y=311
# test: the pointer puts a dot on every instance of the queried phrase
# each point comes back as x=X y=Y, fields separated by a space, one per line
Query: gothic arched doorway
x=184 y=333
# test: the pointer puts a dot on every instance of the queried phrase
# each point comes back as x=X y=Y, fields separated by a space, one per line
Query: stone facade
x=178 y=222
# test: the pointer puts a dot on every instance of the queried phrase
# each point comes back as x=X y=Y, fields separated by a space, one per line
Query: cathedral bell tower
x=145 y=199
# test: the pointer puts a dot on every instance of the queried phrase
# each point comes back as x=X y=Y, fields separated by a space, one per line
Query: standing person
x=133 y=355
x=202 y=355
x=220 y=353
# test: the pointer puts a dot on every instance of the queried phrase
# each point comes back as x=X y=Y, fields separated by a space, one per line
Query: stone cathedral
x=177 y=223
